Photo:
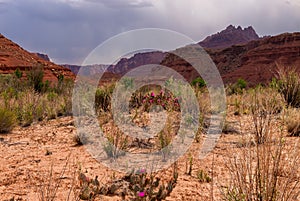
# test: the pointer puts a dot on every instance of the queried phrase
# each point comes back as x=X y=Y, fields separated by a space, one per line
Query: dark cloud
x=123 y=4
x=67 y=30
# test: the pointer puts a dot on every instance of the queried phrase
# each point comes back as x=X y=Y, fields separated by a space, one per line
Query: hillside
x=12 y=56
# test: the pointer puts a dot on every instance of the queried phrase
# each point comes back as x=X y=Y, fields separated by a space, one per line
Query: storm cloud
x=67 y=30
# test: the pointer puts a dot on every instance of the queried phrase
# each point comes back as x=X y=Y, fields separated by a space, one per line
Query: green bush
x=237 y=87
x=199 y=82
x=7 y=120
x=18 y=73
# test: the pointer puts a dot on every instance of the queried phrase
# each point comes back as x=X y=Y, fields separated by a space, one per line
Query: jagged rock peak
x=230 y=36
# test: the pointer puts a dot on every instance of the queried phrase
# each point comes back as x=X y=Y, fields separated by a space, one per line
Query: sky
x=68 y=30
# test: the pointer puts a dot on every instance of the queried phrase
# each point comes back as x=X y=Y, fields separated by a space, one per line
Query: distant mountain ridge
x=230 y=36
x=237 y=53
x=226 y=38
x=255 y=61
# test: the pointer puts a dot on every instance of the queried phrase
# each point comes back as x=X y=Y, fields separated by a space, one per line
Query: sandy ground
x=27 y=155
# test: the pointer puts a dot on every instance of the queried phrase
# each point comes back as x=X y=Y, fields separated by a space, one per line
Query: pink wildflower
x=141 y=194
x=142 y=170
x=152 y=94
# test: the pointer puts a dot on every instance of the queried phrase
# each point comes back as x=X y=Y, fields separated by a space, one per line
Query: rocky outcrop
x=13 y=57
x=228 y=37
x=42 y=56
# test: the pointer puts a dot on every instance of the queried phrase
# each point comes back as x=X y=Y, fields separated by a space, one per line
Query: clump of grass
x=164 y=140
x=203 y=176
x=116 y=144
x=205 y=110
x=288 y=85
x=189 y=165
x=7 y=120
x=293 y=122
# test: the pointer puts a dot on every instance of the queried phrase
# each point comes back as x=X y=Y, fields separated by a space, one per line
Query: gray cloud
x=123 y=4
x=67 y=30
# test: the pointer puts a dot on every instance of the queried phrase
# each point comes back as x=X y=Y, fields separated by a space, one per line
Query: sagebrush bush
x=7 y=120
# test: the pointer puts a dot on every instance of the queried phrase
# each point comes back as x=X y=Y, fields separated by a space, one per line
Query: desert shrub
x=237 y=87
x=103 y=98
x=35 y=78
x=18 y=73
x=264 y=105
x=293 y=122
x=199 y=82
x=289 y=85
x=128 y=82
x=7 y=120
